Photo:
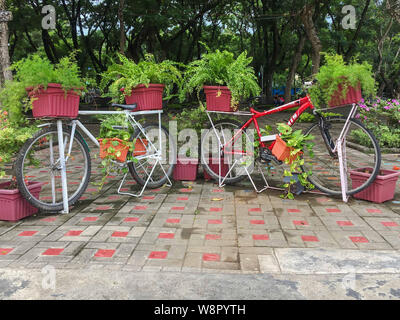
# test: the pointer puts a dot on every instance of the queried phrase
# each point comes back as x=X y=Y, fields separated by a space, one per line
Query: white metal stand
x=131 y=118
x=340 y=148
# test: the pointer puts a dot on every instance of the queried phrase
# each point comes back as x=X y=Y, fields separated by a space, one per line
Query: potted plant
x=13 y=206
x=225 y=80
x=50 y=90
x=340 y=83
x=381 y=190
x=142 y=83
x=116 y=144
x=289 y=147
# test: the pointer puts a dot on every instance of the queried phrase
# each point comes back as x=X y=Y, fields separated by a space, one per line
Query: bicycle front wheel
x=325 y=166
x=236 y=157
x=39 y=161
x=154 y=156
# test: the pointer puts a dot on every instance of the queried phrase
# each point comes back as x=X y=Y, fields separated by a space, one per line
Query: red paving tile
x=73 y=233
x=211 y=257
x=212 y=237
x=293 y=210
x=140 y=208
x=50 y=219
x=27 y=233
x=215 y=209
x=257 y=222
x=53 y=252
x=178 y=208
x=104 y=253
x=390 y=224
x=333 y=210
x=90 y=219
x=344 y=223
x=163 y=235
x=255 y=210
x=172 y=220
x=5 y=251
x=300 y=223
x=359 y=239
x=133 y=219
x=211 y=221
x=120 y=234
x=158 y=255
x=310 y=238
x=260 y=237
x=182 y=198
x=374 y=211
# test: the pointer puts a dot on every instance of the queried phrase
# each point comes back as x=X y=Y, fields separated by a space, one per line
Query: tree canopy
x=285 y=38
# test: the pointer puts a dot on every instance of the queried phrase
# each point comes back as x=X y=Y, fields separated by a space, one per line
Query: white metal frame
x=131 y=119
x=340 y=147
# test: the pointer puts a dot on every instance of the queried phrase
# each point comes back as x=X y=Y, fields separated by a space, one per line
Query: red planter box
x=213 y=164
x=54 y=102
x=13 y=206
x=186 y=169
x=281 y=151
x=218 y=98
x=122 y=147
x=353 y=96
x=381 y=190
x=146 y=98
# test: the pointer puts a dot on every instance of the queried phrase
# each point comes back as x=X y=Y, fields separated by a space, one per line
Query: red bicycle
x=227 y=142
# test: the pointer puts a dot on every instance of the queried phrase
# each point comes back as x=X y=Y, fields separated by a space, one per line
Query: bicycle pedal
x=266 y=155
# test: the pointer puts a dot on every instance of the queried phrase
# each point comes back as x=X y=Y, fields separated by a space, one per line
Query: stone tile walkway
x=196 y=226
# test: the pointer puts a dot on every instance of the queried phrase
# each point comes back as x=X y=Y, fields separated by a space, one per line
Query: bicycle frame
x=304 y=104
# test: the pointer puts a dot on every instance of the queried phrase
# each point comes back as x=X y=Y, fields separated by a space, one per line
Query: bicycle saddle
x=125 y=106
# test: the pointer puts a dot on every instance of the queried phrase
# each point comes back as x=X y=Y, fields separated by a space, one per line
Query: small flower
x=358 y=115
x=386 y=107
x=362 y=100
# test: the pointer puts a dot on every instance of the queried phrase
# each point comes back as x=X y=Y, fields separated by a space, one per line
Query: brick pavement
x=195 y=226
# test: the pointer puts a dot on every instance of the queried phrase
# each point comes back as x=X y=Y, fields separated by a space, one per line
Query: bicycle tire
x=375 y=147
x=20 y=176
x=133 y=168
x=204 y=158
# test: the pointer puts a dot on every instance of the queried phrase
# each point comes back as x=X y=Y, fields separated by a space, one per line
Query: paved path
x=196 y=230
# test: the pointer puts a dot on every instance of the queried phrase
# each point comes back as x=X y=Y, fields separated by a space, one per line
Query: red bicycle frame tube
x=304 y=104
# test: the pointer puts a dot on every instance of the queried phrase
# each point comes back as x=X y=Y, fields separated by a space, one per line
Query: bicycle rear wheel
x=39 y=161
x=149 y=146
x=325 y=167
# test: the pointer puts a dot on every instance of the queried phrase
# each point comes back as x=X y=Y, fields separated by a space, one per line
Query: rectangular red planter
x=146 y=98
x=381 y=190
x=218 y=98
x=213 y=164
x=186 y=169
x=13 y=206
x=353 y=95
x=121 y=147
x=54 y=102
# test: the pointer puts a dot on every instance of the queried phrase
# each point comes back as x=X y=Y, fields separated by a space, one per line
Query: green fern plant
x=127 y=75
x=37 y=72
x=221 y=68
x=336 y=72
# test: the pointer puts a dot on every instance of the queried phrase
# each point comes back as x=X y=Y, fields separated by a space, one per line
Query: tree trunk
x=4 y=53
x=122 y=36
x=312 y=35
x=293 y=68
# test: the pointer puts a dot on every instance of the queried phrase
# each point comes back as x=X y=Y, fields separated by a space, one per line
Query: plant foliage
x=221 y=68
x=127 y=75
x=336 y=72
